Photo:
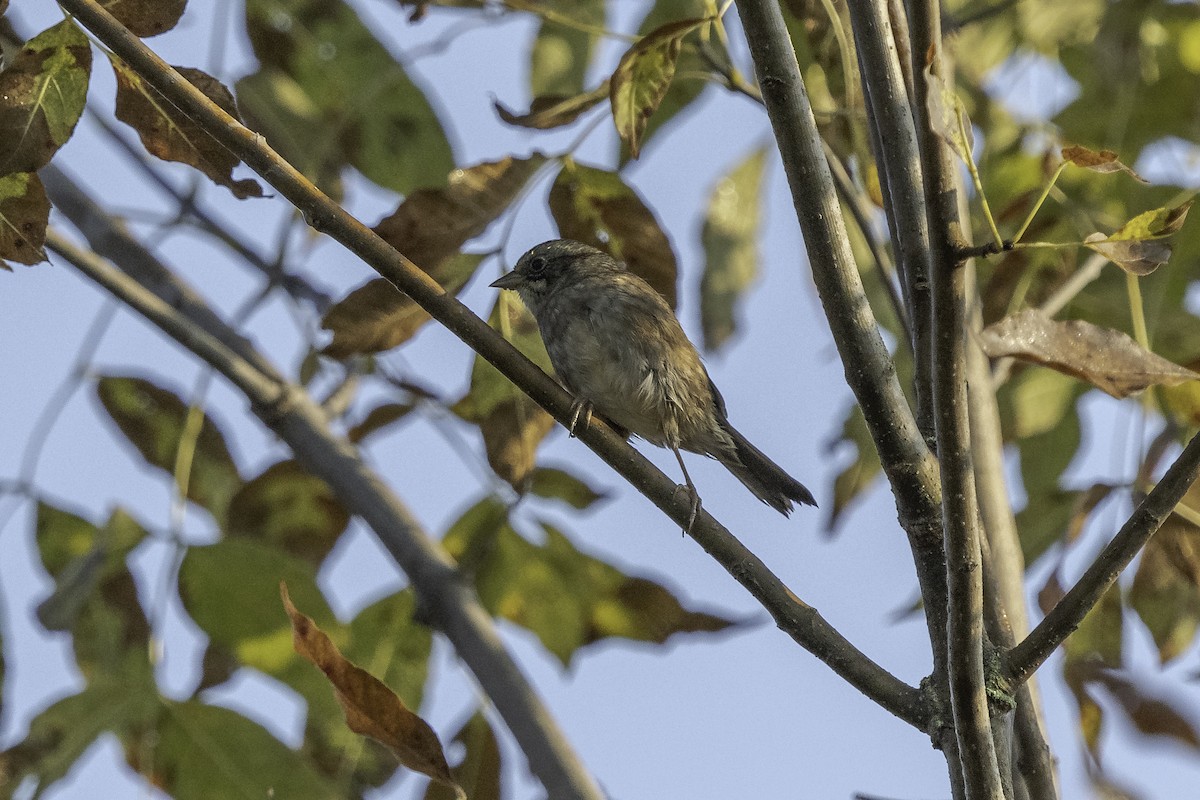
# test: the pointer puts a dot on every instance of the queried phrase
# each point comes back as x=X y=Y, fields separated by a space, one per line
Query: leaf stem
x=974 y=170
x=1038 y=205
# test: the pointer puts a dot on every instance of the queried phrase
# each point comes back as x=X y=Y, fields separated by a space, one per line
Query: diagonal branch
x=289 y=411
x=1024 y=659
x=799 y=620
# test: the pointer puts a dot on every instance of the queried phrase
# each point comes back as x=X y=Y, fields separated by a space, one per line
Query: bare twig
x=802 y=622
x=1024 y=659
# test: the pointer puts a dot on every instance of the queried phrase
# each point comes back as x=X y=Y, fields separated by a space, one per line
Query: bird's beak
x=510 y=281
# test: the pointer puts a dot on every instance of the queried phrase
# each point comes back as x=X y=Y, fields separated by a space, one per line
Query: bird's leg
x=580 y=407
x=691 y=489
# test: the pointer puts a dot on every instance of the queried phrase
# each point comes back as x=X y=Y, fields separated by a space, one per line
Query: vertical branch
x=960 y=512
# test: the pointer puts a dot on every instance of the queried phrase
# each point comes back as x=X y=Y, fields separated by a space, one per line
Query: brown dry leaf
x=1085 y=504
x=1103 y=161
x=1108 y=359
x=146 y=17
x=554 y=111
x=170 y=135
x=24 y=211
x=511 y=434
x=433 y=224
x=643 y=76
x=1151 y=715
x=377 y=316
x=372 y=709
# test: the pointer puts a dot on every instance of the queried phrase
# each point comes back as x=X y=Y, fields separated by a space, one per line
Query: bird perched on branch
x=618 y=348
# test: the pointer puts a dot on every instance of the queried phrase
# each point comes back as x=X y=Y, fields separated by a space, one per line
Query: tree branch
x=803 y=623
x=288 y=410
x=1024 y=659
x=960 y=511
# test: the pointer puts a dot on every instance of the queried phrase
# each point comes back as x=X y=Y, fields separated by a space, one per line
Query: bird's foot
x=694 y=497
x=581 y=417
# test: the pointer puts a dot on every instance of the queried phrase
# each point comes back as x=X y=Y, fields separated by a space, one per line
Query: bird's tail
x=762 y=476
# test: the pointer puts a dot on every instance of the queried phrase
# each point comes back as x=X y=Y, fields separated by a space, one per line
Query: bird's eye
x=537 y=265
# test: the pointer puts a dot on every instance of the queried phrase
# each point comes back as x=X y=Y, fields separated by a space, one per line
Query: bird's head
x=547 y=266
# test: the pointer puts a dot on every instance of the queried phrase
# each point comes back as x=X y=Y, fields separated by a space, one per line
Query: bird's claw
x=691 y=492
x=580 y=408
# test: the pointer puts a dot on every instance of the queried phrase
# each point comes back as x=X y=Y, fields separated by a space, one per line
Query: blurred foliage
x=333 y=94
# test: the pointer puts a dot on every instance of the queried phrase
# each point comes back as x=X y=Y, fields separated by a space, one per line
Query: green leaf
x=642 y=77
x=169 y=134
x=378 y=418
x=369 y=111
x=861 y=473
x=146 y=17
x=204 y=751
x=377 y=316
x=231 y=590
x=561 y=53
x=24 y=212
x=290 y=507
x=1166 y=587
x=388 y=641
x=153 y=419
x=567 y=598
x=730 y=248
x=42 y=92
x=559 y=484
x=596 y=207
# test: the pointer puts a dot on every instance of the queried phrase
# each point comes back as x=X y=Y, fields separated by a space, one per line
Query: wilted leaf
x=1108 y=359
x=290 y=507
x=1103 y=161
x=372 y=709
x=369 y=113
x=42 y=93
x=146 y=17
x=1137 y=257
x=512 y=424
x=731 y=255
x=1154 y=223
x=433 y=224
x=479 y=771
x=153 y=420
x=24 y=211
x=378 y=418
x=947 y=116
x=643 y=76
x=169 y=134
x=567 y=598
x=377 y=316
x=554 y=111
x=390 y=641
x=596 y=207
x=561 y=485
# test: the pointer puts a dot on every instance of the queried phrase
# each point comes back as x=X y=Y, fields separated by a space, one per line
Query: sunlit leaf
x=595 y=206
x=154 y=419
x=433 y=224
x=1102 y=161
x=1108 y=359
x=377 y=316
x=169 y=134
x=288 y=506
x=730 y=248
x=373 y=116
x=24 y=211
x=372 y=709
x=42 y=92
x=947 y=116
x=554 y=111
x=642 y=77
x=479 y=770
